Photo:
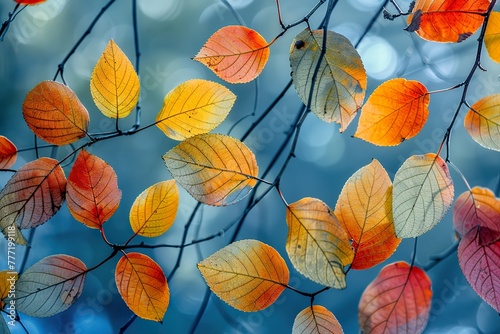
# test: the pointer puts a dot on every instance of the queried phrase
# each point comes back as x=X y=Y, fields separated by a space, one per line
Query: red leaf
x=30 y=2
x=8 y=153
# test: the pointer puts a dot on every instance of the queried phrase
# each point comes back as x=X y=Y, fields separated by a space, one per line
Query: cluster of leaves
x=372 y=214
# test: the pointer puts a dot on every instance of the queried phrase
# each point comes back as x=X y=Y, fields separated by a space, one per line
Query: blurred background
x=171 y=32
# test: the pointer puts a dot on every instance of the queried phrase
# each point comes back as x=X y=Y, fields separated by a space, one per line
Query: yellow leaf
x=7 y=285
x=114 y=85
x=482 y=122
x=248 y=275
x=154 y=210
x=492 y=36
x=316 y=319
x=215 y=169
x=317 y=243
x=194 y=107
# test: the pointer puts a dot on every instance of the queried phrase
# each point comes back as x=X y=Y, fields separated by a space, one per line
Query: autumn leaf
x=247 y=274
x=364 y=208
x=316 y=319
x=422 y=194
x=154 y=210
x=7 y=285
x=235 y=54
x=143 y=286
x=55 y=114
x=32 y=196
x=93 y=195
x=396 y=111
x=317 y=243
x=482 y=122
x=30 y=2
x=340 y=86
x=447 y=20
x=215 y=169
x=397 y=301
x=8 y=153
x=50 y=286
x=114 y=85
x=492 y=36
x=194 y=107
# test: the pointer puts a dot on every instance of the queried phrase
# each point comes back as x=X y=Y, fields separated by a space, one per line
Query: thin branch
x=138 y=109
x=5 y=26
x=434 y=260
x=371 y=23
x=201 y=310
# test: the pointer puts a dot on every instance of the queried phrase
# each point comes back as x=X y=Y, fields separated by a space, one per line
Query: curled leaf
x=8 y=153
x=316 y=319
x=482 y=122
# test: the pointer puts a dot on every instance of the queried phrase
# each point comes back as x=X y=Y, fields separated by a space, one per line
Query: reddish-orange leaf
x=31 y=197
x=316 y=319
x=447 y=20
x=365 y=208
x=30 y=2
x=478 y=208
x=54 y=113
x=482 y=122
x=236 y=54
x=8 y=153
x=93 y=194
x=397 y=301
x=7 y=286
x=396 y=111
x=143 y=286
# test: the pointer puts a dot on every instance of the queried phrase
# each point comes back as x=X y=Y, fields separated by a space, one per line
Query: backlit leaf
x=396 y=111
x=482 y=122
x=340 y=85
x=447 y=20
x=235 y=54
x=316 y=319
x=480 y=264
x=317 y=243
x=478 y=208
x=7 y=285
x=154 y=210
x=50 y=286
x=143 y=286
x=215 y=169
x=365 y=208
x=194 y=107
x=248 y=274
x=32 y=196
x=93 y=195
x=8 y=153
x=492 y=36
x=30 y=2
x=114 y=85
x=397 y=301
x=422 y=194
x=55 y=114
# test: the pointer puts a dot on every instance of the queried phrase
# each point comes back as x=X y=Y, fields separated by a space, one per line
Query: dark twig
x=138 y=108
x=5 y=26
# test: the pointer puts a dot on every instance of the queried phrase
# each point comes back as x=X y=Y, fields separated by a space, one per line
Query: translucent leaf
x=7 y=284
x=114 y=85
x=340 y=84
x=447 y=20
x=215 y=169
x=50 y=286
x=478 y=208
x=32 y=196
x=30 y=2
x=55 y=114
x=480 y=264
x=397 y=301
x=93 y=195
x=154 y=210
x=235 y=54
x=316 y=320
x=422 y=194
x=194 y=107
x=8 y=153
x=248 y=274
x=396 y=111
x=365 y=209
x=143 y=286
x=492 y=36
x=482 y=122
x=317 y=243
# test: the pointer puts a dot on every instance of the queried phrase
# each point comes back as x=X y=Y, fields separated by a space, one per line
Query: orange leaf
x=248 y=274
x=143 y=286
x=7 y=286
x=93 y=195
x=482 y=122
x=447 y=20
x=396 y=111
x=30 y=2
x=316 y=319
x=31 y=197
x=54 y=113
x=8 y=153
x=397 y=301
x=365 y=208
x=317 y=243
x=236 y=54
x=492 y=36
